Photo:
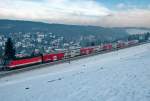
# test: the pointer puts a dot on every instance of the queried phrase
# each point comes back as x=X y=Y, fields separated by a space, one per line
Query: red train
x=12 y=64
x=121 y=45
x=85 y=51
x=53 y=57
x=43 y=58
x=107 y=47
x=24 y=62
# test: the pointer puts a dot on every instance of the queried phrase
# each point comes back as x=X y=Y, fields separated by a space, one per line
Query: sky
x=106 y=13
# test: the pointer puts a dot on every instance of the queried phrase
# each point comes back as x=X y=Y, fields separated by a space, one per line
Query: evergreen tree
x=9 y=49
x=147 y=35
x=92 y=43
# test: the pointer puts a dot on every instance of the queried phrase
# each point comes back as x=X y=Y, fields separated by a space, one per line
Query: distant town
x=26 y=43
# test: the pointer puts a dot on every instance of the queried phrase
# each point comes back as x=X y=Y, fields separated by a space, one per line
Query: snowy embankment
x=123 y=75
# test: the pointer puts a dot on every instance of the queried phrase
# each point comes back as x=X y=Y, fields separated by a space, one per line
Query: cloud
x=53 y=10
x=83 y=12
x=128 y=18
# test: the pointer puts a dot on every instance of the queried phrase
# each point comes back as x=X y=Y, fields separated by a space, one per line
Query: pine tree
x=147 y=35
x=9 y=49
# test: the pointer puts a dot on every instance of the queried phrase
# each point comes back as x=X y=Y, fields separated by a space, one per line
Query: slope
x=117 y=76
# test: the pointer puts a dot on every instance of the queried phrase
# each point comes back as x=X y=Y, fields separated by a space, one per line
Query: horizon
x=71 y=24
x=101 y=13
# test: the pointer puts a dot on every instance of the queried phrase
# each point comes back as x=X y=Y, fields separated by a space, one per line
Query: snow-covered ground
x=123 y=75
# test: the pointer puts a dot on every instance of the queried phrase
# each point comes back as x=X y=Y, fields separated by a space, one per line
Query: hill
x=69 y=32
x=122 y=75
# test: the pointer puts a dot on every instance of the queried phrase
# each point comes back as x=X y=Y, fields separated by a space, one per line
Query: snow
x=123 y=75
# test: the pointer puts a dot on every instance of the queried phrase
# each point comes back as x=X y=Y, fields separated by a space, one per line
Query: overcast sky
x=107 y=13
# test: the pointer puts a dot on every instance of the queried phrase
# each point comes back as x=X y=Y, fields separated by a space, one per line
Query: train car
x=72 y=53
x=121 y=45
x=53 y=57
x=12 y=64
x=132 y=42
x=85 y=51
x=66 y=54
x=126 y=44
x=98 y=48
x=114 y=45
x=107 y=47
x=75 y=52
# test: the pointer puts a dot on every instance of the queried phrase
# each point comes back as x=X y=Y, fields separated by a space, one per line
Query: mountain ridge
x=70 y=32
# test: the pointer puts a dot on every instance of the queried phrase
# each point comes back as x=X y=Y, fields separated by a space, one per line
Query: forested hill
x=68 y=31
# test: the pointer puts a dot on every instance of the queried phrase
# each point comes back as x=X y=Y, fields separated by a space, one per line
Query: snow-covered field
x=123 y=75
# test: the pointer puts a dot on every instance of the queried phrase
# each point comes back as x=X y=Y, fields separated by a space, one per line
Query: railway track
x=20 y=70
